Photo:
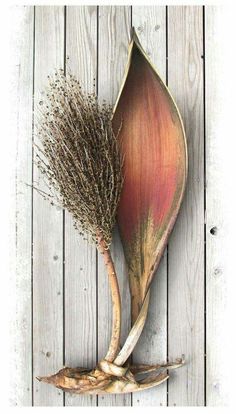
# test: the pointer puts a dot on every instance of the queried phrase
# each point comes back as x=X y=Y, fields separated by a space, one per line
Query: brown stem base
x=108 y=378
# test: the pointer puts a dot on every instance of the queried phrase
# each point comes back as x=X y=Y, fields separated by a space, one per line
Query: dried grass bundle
x=80 y=156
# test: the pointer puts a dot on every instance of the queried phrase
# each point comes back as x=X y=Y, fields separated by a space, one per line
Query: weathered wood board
x=47 y=227
x=80 y=257
x=219 y=211
x=186 y=244
x=63 y=312
x=21 y=329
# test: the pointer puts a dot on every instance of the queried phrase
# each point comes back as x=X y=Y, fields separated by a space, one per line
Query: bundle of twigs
x=82 y=159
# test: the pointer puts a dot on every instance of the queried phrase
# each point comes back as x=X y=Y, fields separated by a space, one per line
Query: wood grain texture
x=150 y=24
x=80 y=257
x=114 y=31
x=47 y=229
x=220 y=212
x=21 y=367
x=186 y=245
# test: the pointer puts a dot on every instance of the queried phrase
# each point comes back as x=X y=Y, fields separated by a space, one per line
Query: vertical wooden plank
x=114 y=33
x=220 y=119
x=186 y=246
x=47 y=228
x=150 y=24
x=22 y=87
x=80 y=257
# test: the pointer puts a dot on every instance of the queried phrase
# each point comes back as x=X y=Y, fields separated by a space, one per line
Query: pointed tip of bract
x=48 y=380
x=51 y=379
x=134 y=36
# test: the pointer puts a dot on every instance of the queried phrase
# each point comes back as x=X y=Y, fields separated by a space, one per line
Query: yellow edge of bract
x=135 y=40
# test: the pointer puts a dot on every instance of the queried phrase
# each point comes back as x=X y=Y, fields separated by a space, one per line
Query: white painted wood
x=220 y=215
x=114 y=33
x=186 y=245
x=150 y=24
x=21 y=366
x=80 y=257
x=47 y=229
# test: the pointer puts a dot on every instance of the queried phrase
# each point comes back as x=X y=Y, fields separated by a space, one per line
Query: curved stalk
x=116 y=302
x=134 y=333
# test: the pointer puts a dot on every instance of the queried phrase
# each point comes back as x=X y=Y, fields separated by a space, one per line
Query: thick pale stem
x=116 y=302
x=139 y=317
x=134 y=334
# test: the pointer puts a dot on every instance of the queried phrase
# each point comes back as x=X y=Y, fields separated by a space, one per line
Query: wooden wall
x=63 y=308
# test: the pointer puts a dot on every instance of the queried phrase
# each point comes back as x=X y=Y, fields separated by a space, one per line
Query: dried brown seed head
x=80 y=156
